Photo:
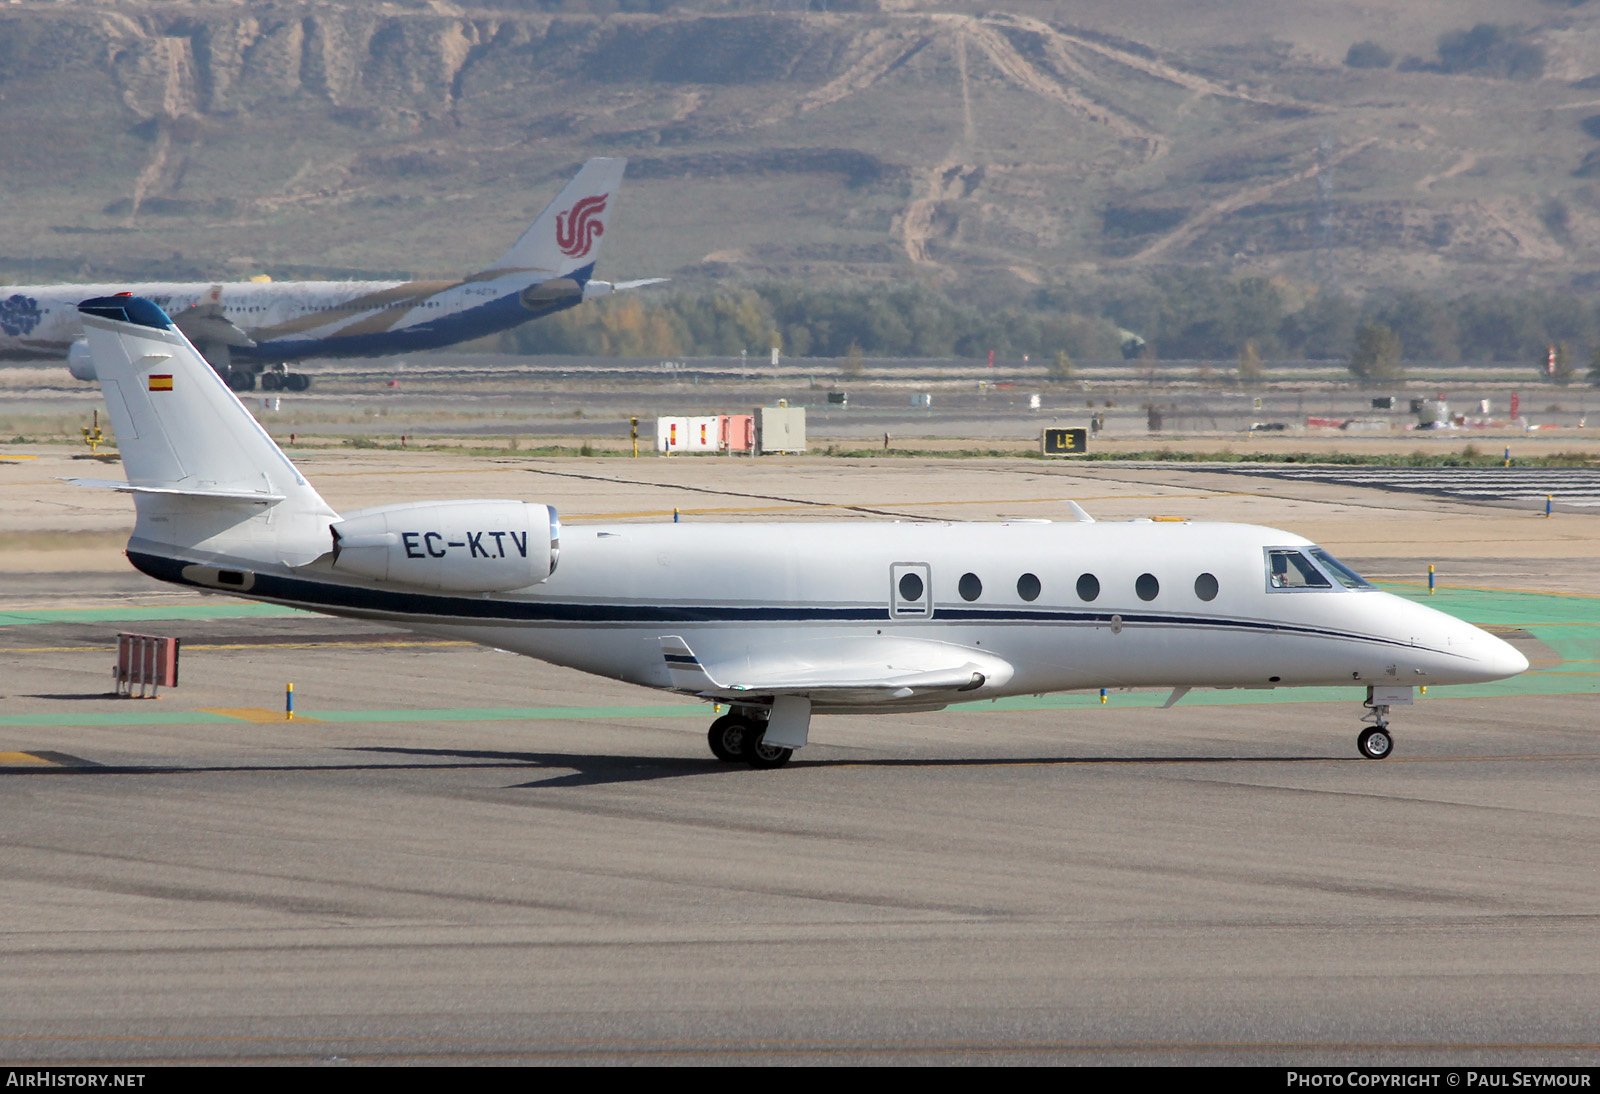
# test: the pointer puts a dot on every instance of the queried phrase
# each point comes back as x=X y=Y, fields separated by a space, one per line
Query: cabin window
x=1292 y=570
x=1205 y=586
x=1028 y=587
x=1147 y=586
x=969 y=587
x=1341 y=573
x=910 y=591
x=1088 y=587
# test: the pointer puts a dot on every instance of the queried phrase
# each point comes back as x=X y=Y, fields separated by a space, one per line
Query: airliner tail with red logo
x=566 y=237
x=249 y=331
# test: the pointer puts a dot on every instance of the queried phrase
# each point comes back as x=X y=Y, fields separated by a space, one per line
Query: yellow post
x=633 y=425
x=94 y=437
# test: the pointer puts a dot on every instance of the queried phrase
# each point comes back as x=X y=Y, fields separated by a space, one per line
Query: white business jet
x=776 y=621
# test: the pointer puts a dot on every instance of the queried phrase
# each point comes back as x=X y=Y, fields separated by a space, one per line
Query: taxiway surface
x=455 y=855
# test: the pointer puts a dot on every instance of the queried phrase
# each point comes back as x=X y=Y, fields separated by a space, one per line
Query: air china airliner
x=250 y=330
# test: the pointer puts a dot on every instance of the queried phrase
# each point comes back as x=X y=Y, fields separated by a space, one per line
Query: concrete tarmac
x=456 y=855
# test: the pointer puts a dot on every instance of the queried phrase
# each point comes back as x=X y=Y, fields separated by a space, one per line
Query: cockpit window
x=1341 y=573
x=1292 y=570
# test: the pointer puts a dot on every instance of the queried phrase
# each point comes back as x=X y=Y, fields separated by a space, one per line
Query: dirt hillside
x=305 y=139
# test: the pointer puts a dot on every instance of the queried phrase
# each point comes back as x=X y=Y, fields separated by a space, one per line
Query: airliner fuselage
x=298 y=320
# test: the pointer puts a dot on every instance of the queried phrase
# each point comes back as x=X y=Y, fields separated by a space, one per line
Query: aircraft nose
x=1497 y=657
x=1488 y=657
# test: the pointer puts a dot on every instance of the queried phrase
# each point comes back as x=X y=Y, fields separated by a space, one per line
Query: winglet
x=1078 y=513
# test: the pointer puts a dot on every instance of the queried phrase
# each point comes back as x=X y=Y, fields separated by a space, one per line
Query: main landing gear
x=279 y=378
x=272 y=378
x=736 y=738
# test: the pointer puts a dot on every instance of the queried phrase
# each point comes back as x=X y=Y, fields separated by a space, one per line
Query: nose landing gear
x=1376 y=742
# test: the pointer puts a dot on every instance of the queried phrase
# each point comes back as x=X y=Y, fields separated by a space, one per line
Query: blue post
x=288 y=703
x=1430 y=579
x=1548 y=498
x=674 y=514
x=1508 y=456
x=1102 y=696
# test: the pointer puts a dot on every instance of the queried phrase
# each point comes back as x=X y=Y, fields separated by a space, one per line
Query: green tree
x=1563 y=370
x=1376 y=353
x=1061 y=368
x=1594 y=367
x=1368 y=54
x=1428 y=328
x=1250 y=370
x=853 y=364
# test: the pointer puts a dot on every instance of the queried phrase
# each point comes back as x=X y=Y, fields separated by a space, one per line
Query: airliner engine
x=79 y=363
x=455 y=546
x=546 y=295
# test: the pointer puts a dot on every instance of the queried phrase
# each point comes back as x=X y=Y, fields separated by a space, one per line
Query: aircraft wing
x=868 y=669
x=206 y=322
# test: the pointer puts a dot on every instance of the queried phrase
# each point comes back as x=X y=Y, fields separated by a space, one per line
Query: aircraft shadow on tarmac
x=74 y=698
x=593 y=770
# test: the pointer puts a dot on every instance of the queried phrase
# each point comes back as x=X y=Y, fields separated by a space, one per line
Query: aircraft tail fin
x=205 y=476
x=566 y=237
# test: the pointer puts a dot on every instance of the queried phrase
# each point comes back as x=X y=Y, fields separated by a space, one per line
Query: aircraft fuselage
x=299 y=320
x=739 y=592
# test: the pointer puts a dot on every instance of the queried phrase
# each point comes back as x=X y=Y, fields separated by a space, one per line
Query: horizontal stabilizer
x=593 y=289
x=180 y=491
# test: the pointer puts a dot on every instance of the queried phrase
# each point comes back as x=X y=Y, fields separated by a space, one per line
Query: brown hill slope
x=177 y=139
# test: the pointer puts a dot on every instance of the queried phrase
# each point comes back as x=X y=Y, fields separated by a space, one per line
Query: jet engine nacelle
x=456 y=546
x=79 y=362
x=557 y=290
